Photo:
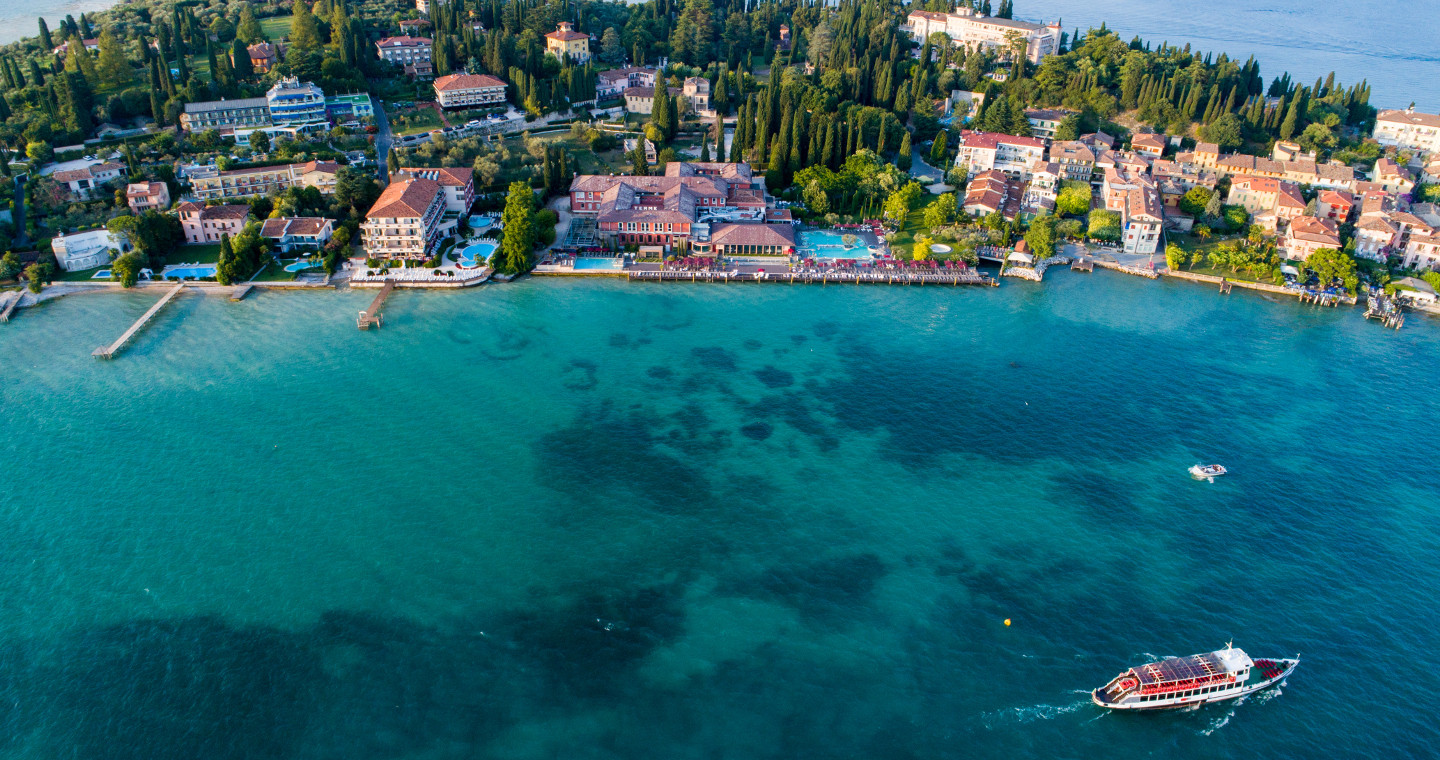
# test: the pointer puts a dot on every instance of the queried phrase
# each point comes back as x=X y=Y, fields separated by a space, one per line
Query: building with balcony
x=206 y=224
x=404 y=50
x=1408 y=129
x=661 y=210
x=87 y=250
x=145 y=196
x=1000 y=36
x=984 y=151
x=457 y=184
x=241 y=113
x=294 y=233
x=292 y=102
x=469 y=91
x=406 y=222
x=208 y=183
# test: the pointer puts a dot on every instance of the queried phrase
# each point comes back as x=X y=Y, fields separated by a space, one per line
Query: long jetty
x=108 y=352
x=822 y=278
x=371 y=316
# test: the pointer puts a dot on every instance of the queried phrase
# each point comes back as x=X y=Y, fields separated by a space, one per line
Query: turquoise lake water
x=596 y=519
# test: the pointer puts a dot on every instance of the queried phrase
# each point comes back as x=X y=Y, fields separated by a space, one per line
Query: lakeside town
x=427 y=144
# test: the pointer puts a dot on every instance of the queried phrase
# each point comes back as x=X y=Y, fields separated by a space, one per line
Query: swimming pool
x=302 y=264
x=197 y=271
x=103 y=274
x=478 y=223
x=825 y=244
x=599 y=263
x=476 y=254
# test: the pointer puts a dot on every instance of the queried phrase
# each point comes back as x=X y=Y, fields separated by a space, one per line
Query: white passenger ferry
x=1184 y=681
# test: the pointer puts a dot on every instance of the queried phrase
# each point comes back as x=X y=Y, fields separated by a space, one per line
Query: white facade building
x=975 y=32
x=1408 y=129
x=87 y=250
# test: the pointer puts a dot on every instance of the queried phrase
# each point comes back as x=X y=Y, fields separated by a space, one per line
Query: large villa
x=692 y=203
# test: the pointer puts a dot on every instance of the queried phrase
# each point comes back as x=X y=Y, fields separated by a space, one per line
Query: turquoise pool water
x=478 y=223
x=826 y=244
x=599 y=263
x=103 y=274
x=197 y=271
x=302 y=264
x=476 y=254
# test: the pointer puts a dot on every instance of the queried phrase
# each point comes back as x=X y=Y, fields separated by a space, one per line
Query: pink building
x=205 y=224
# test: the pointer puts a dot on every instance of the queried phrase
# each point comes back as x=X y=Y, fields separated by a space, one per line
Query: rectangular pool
x=599 y=263
x=196 y=270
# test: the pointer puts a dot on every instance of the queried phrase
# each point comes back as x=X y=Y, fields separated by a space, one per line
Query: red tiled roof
x=403 y=41
x=456 y=82
x=407 y=199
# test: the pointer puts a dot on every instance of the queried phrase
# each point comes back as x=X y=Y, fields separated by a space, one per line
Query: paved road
x=383 y=140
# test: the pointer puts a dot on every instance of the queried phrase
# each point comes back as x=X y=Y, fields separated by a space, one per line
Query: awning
x=1287 y=269
x=1023 y=258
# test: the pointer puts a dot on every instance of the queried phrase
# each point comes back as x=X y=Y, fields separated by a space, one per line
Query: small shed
x=1415 y=289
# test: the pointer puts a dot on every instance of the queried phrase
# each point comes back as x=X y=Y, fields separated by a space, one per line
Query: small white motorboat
x=1207 y=471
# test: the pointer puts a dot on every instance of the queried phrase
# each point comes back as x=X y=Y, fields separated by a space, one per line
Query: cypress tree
x=903 y=161
x=1291 y=125
x=45 y=40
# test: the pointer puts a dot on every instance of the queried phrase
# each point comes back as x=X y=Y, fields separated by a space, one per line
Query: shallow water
x=602 y=519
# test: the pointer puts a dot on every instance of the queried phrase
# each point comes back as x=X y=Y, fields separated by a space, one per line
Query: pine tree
x=249 y=30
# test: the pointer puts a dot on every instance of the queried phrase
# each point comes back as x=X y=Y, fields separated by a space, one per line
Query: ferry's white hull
x=1177 y=703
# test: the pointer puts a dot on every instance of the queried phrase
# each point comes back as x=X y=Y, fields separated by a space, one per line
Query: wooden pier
x=822 y=278
x=1082 y=264
x=9 y=306
x=240 y=292
x=372 y=316
x=108 y=352
x=1385 y=310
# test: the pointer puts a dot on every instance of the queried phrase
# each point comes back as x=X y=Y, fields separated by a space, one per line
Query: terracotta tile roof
x=455 y=82
x=991 y=140
x=1148 y=140
x=223 y=213
x=451 y=177
x=753 y=234
x=1409 y=117
x=144 y=189
x=1313 y=230
x=404 y=41
x=405 y=200
x=298 y=225
x=565 y=36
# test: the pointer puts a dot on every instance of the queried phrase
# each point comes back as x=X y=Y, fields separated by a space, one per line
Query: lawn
x=194 y=254
x=273 y=272
x=1191 y=244
x=275 y=28
x=413 y=121
x=84 y=275
x=914 y=223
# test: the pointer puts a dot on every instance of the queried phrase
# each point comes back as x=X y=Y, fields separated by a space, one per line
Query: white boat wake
x=1022 y=715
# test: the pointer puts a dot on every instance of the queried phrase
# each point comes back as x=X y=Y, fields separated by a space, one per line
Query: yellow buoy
x=1007 y=621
